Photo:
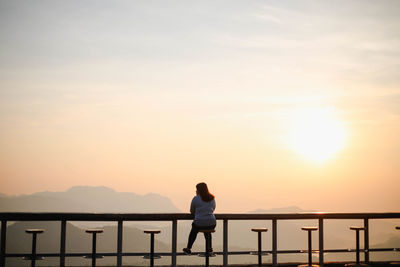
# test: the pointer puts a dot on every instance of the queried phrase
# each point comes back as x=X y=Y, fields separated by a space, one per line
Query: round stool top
x=311 y=228
x=398 y=227
x=259 y=229
x=91 y=231
x=206 y=231
x=34 y=231
x=357 y=228
x=152 y=231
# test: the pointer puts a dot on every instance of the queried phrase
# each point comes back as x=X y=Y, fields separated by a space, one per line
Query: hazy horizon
x=97 y=190
x=183 y=207
x=271 y=103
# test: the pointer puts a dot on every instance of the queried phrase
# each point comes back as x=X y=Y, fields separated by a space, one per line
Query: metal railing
x=174 y=218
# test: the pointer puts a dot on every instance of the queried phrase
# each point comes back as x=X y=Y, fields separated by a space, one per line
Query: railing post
x=366 y=240
x=274 y=243
x=119 y=243
x=321 y=241
x=62 y=242
x=174 y=242
x=225 y=243
x=3 y=243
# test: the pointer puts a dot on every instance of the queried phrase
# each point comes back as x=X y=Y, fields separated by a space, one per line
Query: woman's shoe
x=187 y=251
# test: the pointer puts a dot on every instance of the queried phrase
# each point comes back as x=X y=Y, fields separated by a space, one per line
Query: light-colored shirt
x=203 y=211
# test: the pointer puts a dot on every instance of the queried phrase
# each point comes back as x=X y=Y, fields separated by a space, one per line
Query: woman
x=202 y=207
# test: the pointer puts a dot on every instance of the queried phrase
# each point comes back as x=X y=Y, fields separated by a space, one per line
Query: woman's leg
x=192 y=236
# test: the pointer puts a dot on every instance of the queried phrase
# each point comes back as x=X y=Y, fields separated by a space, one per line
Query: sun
x=316 y=133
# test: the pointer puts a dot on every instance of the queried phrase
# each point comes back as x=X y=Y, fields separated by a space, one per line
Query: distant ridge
x=87 y=199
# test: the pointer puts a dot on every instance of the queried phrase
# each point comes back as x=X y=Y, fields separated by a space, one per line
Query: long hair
x=205 y=195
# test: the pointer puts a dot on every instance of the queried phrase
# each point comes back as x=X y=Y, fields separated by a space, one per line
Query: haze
x=156 y=96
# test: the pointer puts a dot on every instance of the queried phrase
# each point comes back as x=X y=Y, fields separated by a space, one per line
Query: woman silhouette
x=202 y=207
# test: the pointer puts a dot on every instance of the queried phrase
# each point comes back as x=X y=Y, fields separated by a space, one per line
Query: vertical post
x=225 y=242
x=3 y=243
x=207 y=236
x=174 y=242
x=309 y=248
x=357 y=247
x=62 y=242
x=152 y=249
x=366 y=240
x=259 y=249
x=94 y=250
x=321 y=241
x=33 y=259
x=119 y=243
x=274 y=243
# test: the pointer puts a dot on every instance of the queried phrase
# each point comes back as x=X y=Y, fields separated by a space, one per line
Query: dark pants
x=195 y=231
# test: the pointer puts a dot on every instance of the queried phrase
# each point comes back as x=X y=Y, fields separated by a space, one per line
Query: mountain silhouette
x=87 y=199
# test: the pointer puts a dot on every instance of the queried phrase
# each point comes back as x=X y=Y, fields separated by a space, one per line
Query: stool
x=357 y=229
x=33 y=258
x=259 y=231
x=208 y=253
x=152 y=256
x=94 y=233
x=309 y=230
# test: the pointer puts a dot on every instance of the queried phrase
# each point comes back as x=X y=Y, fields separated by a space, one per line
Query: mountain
x=87 y=199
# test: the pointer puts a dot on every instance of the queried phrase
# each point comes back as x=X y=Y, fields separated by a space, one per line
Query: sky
x=271 y=103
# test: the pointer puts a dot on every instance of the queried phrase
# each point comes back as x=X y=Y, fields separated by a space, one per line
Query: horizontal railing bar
x=51 y=216
x=112 y=254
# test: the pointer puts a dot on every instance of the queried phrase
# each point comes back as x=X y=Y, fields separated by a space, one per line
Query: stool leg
x=33 y=263
x=152 y=250
x=309 y=249
x=259 y=249
x=94 y=250
x=207 y=250
x=357 y=247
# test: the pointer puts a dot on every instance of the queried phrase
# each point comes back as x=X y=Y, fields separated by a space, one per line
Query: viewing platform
x=224 y=254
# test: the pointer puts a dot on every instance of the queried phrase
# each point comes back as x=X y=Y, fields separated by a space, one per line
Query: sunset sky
x=272 y=103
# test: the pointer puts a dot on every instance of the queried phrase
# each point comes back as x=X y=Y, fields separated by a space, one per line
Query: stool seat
x=358 y=250
x=92 y=231
x=309 y=228
x=151 y=256
x=207 y=231
x=34 y=231
x=152 y=231
x=259 y=229
x=259 y=251
x=357 y=228
x=208 y=248
x=94 y=256
x=33 y=257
